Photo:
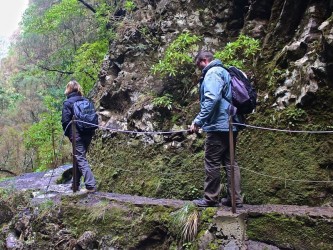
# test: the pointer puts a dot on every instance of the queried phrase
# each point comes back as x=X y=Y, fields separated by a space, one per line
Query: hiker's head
x=203 y=58
x=73 y=86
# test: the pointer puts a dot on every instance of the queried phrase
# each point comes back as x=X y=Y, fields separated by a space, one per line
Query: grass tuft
x=185 y=222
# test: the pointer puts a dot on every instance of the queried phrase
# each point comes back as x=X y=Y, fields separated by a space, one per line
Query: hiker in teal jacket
x=213 y=118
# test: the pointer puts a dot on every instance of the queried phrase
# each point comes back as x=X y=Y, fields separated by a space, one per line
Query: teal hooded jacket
x=214 y=109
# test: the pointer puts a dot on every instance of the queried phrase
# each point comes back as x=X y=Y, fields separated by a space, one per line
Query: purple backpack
x=244 y=95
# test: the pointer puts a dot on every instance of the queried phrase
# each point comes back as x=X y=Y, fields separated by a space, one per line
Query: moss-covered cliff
x=292 y=75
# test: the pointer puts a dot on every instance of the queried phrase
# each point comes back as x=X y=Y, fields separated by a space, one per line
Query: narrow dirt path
x=44 y=185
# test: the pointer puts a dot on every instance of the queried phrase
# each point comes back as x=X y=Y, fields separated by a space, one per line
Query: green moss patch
x=291 y=232
x=122 y=166
x=126 y=227
x=278 y=167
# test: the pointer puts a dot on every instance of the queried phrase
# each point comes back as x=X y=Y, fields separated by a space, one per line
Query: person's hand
x=194 y=128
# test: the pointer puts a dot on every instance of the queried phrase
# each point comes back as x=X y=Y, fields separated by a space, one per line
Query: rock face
x=301 y=56
x=292 y=74
x=296 y=39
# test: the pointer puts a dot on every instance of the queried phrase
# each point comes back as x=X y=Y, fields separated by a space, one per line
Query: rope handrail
x=246 y=169
x=187 y=131
x=284 y=130
x=135 y=132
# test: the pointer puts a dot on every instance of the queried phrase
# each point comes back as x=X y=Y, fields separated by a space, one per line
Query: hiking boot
x=205 y=203
x=226 y=202
x=89 y=190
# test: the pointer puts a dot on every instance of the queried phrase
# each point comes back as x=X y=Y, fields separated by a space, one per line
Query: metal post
x=232 y=164
x=74 y=185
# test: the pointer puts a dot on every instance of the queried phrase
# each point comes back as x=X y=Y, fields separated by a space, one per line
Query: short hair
x=73 y=86
x=203 y=54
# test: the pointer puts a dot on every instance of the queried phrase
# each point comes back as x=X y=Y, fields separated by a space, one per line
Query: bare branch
x=87 y=5
x=7 y=171
x=73 y=33
x=55 y=70
x=87 y=73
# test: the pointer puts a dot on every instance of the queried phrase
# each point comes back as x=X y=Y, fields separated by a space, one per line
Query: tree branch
x=93 y=78
x=56 y=70
x=87 y=5
x=73 y=33
x=7 y=171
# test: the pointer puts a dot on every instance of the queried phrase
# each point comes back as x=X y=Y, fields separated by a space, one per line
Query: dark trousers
x=216 y=153
x=82 y=166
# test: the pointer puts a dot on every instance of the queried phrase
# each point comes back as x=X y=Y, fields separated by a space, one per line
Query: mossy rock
x=6 y=212
x=287 y=232
x=148 y=170
x=125 y=226
x=276 y=167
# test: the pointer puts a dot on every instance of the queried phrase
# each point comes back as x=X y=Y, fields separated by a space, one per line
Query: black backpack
x=84 y=111
x=244 y=95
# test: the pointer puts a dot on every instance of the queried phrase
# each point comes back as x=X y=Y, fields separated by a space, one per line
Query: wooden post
x=74 y=185
x=232 y=165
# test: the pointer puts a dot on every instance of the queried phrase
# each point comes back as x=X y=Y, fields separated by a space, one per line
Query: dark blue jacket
x=67 y=112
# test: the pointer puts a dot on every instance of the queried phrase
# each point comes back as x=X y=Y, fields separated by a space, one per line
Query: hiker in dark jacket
x=82 y=140
x=213 y=118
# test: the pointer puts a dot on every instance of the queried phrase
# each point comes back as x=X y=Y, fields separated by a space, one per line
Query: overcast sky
x=10 y=15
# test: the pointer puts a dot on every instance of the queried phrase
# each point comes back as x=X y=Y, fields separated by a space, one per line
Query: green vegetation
x=240 y=53
x=274 y=165
x=128 y=225
x=178 y=64
x=129 y=5
x=147 y=170
x=45 y=209
x=8 y=98
x=294 y=232
x=13 y=200
x=185 y=222
x=294 y=115
x=99 y=211
x=43 y=137
x=46 y=205
x=268 y=161
x=59 y=41
x=163 y=101
x=87 y=63
x=52 y=18
x=178 y=56
x=66 y=39
x=274 y=77
x=82 y=56
x=124 y=225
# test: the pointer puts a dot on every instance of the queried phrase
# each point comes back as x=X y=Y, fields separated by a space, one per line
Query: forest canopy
x=58 y=41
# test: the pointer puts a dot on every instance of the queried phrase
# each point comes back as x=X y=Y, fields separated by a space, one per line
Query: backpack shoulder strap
x=225 y=86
